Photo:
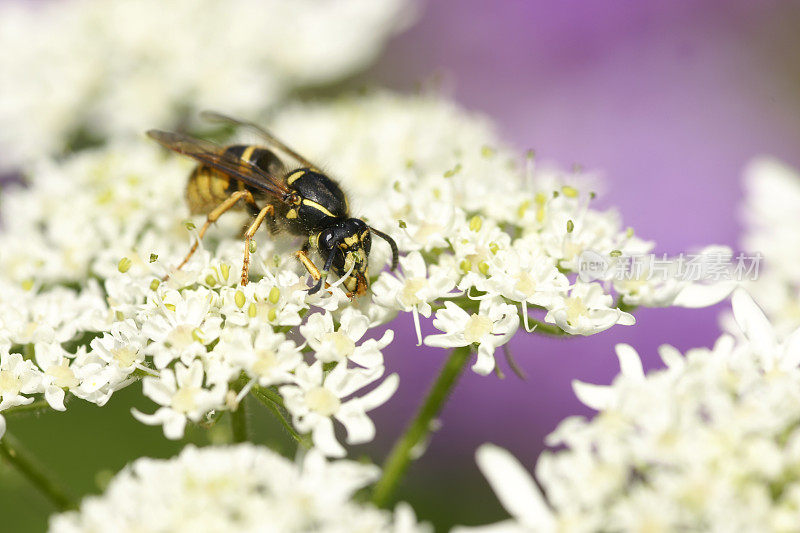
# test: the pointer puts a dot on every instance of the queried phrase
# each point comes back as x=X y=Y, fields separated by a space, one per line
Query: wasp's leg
x=302 y=256
x=212 y=217
x=248 y=236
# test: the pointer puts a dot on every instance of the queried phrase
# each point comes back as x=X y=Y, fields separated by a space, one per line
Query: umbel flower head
x=236 y=488
x=709 y=443
x=92 y=69
x=487 y=249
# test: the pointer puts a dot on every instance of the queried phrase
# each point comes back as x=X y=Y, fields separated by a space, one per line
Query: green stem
x=38 y=405
x=26 y=465
x=274 y=403
x=417 y=431
x=547 y=329
x=239 y=422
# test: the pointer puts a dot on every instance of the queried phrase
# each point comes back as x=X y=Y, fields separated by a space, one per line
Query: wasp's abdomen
x=207 y=187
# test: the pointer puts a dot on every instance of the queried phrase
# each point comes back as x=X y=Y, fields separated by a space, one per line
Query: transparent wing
x=214 y=156
x=272 y=140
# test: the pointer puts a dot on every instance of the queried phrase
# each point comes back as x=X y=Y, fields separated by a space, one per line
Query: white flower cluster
x=84 y=70
x=236 y=488
x=710 y=443
x=483 y=246
x=771 y=217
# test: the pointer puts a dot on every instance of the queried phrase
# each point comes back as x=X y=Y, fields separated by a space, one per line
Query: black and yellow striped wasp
x=297 y=198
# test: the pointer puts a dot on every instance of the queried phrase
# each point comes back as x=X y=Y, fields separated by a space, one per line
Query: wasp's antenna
x=391 y=242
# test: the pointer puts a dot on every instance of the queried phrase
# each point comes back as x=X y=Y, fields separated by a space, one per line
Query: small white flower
x=183 y=327
x=332 y=344
x=492 y=326
x=269 y=358
x=57 y=375
x=412 y=289
x=122 y=348
x=182 y=396
x=587 y=310
x=316 y=398
x=17 y=377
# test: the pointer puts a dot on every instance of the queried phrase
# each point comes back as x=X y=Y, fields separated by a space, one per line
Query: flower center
x=572 y=250
x=265 y=364
x=322 y=401
x=526 y=284
x=124 y=356
x=63 y=376
x=183 y=400
x=10 y=385
x=408 y=296
x=426 y=230
x=477 y=327
x=575 y=309
x=340 y=344
x=181 y=337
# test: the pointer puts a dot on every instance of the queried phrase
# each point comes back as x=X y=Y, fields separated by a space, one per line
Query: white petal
x=791 y=351
x=598 y=397
x=671 y=356
x=506 y=526
x=325 y=439
x=697 y=295
x=484 y=363
x=360 y=428
x=174 y=425
x=514 y=487
x=753 y=323
x=55 y=397
x=380 y=394
x=630 y=365
x=2 y=426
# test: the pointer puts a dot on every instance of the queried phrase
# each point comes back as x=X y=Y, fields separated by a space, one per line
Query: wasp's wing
x=214 y=156
x=272 y=140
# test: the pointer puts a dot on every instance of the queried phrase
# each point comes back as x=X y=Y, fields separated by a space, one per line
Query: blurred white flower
x=243 y=488
x=711 y=442
x=771 y=216
x=92 y=69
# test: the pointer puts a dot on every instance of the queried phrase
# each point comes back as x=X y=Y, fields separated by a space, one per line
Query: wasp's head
x=345 y=246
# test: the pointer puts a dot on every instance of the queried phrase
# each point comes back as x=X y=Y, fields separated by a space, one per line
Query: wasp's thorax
x=345 y=247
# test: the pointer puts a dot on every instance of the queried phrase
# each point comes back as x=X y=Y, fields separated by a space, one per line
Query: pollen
x=322 y=401
x=9 y=383
x=477 y=327
x=183 y=400
x=408 y=296
x=341 y=345
x=63 y=376
x=266 y=362
x=575 y=309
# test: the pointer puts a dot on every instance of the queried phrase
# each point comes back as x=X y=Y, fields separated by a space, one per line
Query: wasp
x=275 y=183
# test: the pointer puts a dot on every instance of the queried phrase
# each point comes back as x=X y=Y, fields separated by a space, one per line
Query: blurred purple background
x=668 y=100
